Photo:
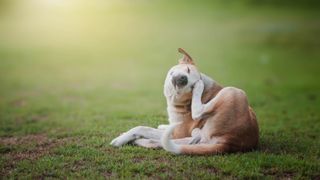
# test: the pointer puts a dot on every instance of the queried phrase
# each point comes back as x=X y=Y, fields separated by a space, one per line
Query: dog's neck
x=182 y=103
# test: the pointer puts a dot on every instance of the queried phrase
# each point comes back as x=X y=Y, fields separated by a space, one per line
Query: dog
x=204 y=117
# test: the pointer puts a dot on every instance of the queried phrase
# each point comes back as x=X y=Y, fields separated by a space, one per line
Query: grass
x=76 y=74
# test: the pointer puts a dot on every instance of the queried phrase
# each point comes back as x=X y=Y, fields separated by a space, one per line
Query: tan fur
x=204 y=149
x=204 y=117
x=229 y=126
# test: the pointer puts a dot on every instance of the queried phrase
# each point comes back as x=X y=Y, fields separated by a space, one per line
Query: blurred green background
x=93 y=69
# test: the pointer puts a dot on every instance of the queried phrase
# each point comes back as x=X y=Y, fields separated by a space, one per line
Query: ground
x=76 y=74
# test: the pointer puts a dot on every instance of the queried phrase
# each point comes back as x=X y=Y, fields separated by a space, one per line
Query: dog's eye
x=188 y=70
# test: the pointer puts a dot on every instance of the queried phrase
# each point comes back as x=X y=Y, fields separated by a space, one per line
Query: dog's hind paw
x=115 y=142
x=121 y=140
x=195 y=140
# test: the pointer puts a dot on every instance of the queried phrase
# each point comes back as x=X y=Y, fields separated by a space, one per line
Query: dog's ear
x=186 y=59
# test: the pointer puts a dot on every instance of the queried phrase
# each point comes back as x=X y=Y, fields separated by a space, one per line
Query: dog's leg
x=154 y=144
x=163 y=126
x=146 y=137
x=147 y=143
x=197 y=108
x=196 y=136
x=136 y=133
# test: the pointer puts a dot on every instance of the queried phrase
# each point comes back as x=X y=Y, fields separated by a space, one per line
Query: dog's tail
x=167 y=143
x=197 y=149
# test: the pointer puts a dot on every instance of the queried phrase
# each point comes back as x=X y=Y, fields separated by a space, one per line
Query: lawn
x=76 y=74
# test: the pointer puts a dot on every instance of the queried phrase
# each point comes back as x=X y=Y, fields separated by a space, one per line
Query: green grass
x=75 y=74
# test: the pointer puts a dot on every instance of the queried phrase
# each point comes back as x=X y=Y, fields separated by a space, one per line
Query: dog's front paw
x=121 y=140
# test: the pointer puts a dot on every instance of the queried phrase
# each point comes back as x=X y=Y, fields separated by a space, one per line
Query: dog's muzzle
x=179 y=80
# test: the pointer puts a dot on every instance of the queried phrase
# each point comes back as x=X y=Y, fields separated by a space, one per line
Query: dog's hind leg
x=147 y=143
x=155 y=144
x=146 y=137
x=196 y=136
x=136 y=133
x=163 y=126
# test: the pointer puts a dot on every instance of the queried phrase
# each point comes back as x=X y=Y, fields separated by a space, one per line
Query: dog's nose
x=180 y=80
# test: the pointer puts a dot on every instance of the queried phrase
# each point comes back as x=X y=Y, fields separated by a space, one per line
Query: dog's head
x=181 y=77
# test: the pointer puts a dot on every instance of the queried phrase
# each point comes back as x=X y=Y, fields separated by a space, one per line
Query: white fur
x=135 y=133
x=167 y=143
x=197 y=106
x=163 y=126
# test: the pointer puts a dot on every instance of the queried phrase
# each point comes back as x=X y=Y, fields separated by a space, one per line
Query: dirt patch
x=39 y=117
x=108 y=175
x=312 y=97
x=137 y=159
x=19 y=103
x=30 y=147
x=163 y=160
x=212 y=170
x=31 y=119
x=316 y=177
x=279 y=174
x=24 y=140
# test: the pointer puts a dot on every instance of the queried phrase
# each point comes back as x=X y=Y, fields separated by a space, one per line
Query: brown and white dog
x=204 y=117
